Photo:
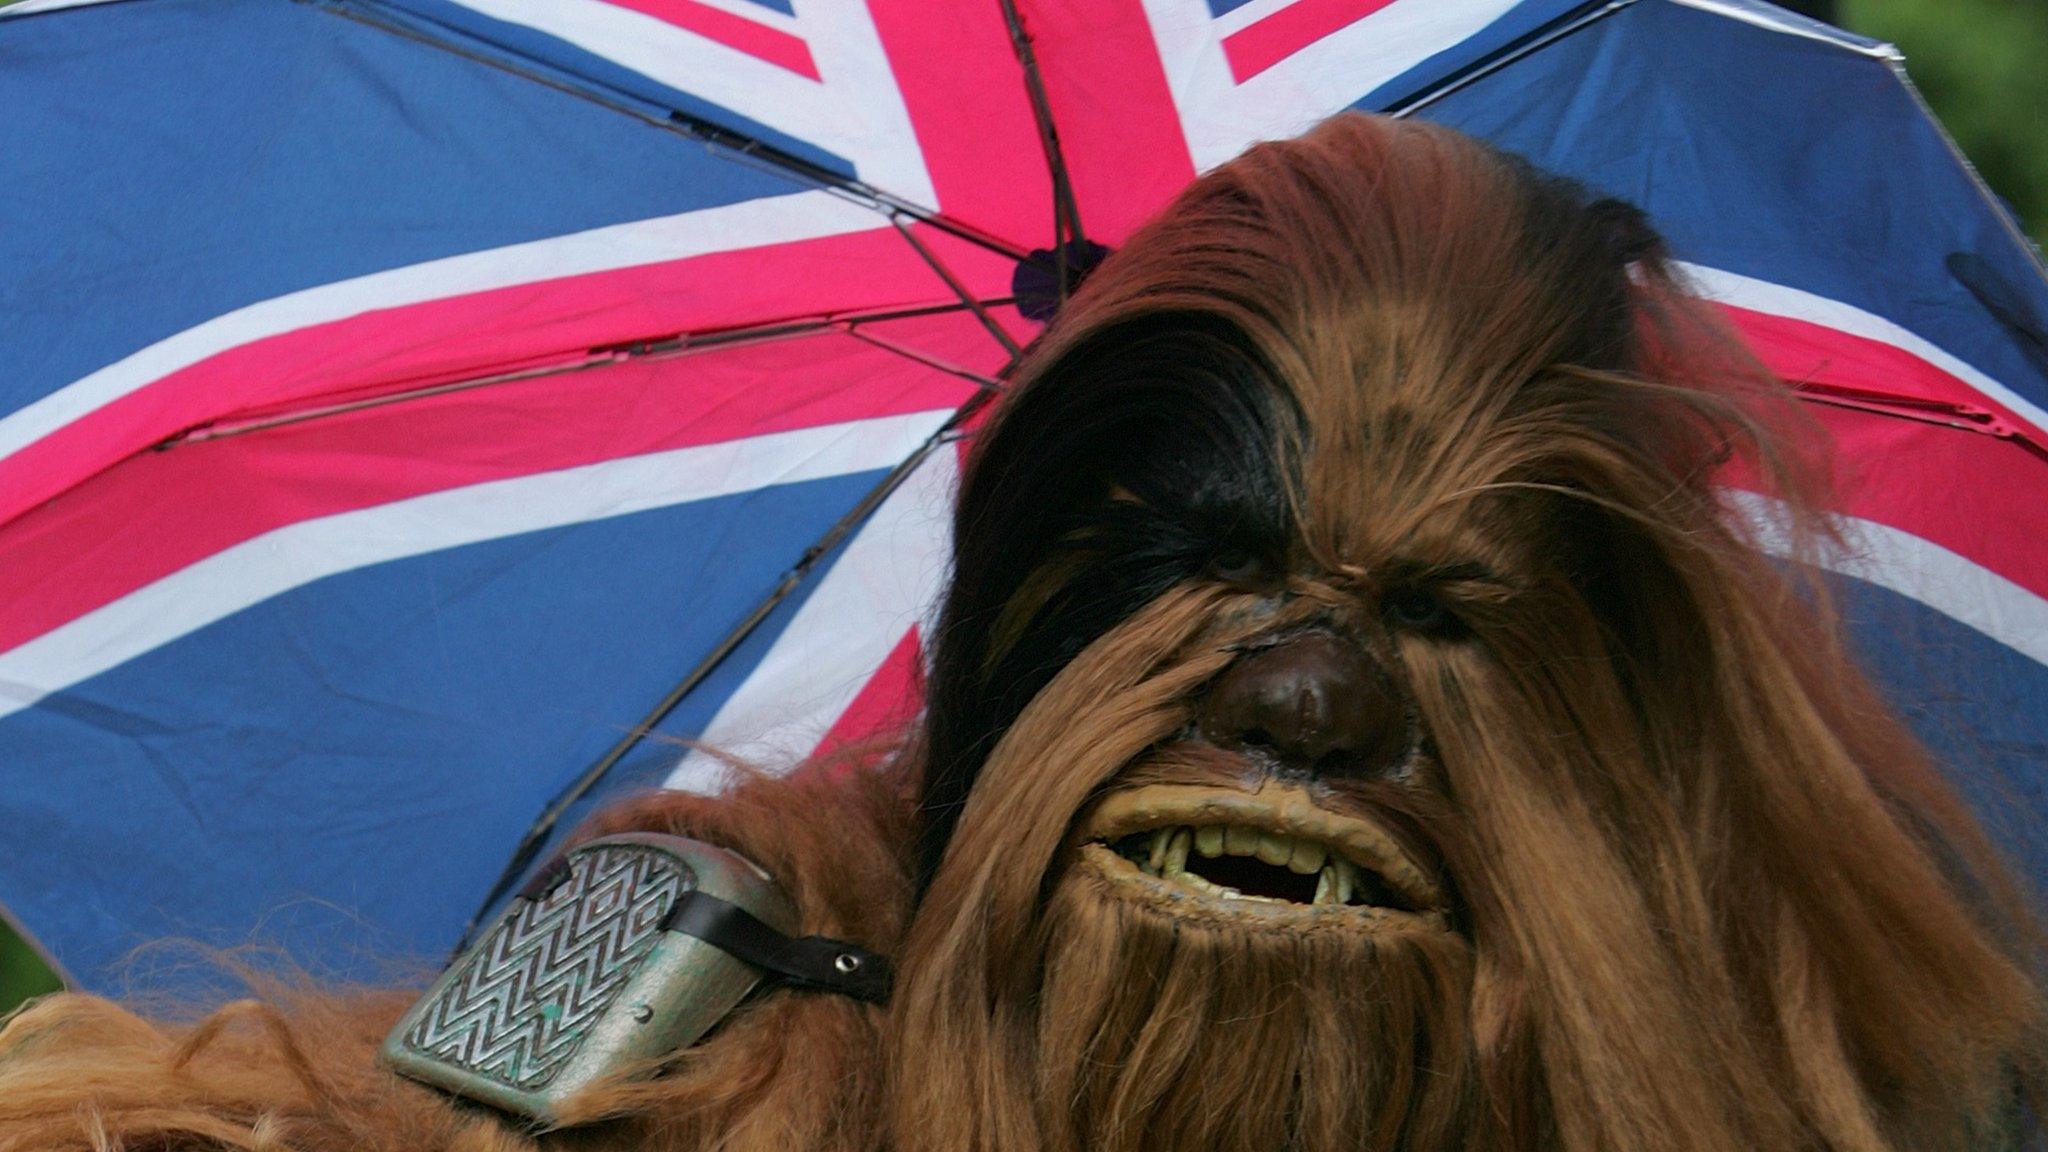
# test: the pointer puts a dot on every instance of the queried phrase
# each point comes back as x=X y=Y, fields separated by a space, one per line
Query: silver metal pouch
x=621 y=952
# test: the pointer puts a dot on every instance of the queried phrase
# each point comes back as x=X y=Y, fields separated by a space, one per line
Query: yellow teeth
x=1307 y=857
x=1164 y=852
x=1177 y=851
x=1273 y=848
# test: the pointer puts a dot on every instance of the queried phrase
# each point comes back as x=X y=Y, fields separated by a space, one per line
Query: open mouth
x=1267 y=852
x=1237 y=860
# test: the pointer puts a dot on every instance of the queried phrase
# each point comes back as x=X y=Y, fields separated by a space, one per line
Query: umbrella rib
x=967 y=298
x=1066 y=212
x=1535 y=39
x=925 y=358
x=743 y=147
x=659 y=348
x=537 y=834
x=1937 y=413
x=733 y=146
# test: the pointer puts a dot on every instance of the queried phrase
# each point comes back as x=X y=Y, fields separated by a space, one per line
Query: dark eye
x=1416 y=610
x=1236 y=564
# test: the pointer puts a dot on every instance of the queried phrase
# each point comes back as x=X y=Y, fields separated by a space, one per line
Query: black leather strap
x=807 y=962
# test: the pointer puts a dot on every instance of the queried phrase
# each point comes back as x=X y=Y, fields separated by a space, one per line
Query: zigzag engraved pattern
x=529 y=991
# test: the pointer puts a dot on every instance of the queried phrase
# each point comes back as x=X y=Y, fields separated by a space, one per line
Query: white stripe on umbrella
x=1797 y=304
x=29 y=7
x=854 y=110
x=278 y=561
x=1247 y=14
x=1952 y=585
x=751 y=223
x=886 y=582
x=1221 y=117
x=1784 y=22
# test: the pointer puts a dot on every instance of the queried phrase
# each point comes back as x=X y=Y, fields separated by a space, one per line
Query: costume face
x=1356 y=721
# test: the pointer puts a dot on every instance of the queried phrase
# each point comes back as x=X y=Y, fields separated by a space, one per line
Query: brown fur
x=792 y=1070
x=1711 y=896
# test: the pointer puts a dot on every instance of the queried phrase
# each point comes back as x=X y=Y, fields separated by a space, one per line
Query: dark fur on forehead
x=1227 y=382
x=1144 y=457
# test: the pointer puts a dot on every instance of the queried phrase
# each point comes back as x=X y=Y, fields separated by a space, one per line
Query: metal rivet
x=847 y=963
x=642 y=1013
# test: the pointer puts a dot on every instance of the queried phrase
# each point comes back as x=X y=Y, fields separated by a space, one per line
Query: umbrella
x=420 y=417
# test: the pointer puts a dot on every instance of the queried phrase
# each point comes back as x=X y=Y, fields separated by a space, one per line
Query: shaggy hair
x=1697 y=888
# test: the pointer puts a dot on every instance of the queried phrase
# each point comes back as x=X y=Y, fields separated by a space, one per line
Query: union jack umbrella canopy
x=405 y=402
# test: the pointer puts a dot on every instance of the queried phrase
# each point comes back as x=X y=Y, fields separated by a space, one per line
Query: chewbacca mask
x=1358 y=721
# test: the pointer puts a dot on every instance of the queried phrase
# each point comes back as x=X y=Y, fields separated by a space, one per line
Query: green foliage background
x=1983 y=66
x=22 y=975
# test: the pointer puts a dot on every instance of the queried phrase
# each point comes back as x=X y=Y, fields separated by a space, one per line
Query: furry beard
x=1356 y=721
x=1137 y=1014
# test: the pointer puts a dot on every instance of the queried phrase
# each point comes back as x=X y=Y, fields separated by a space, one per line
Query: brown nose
x=1315 y=701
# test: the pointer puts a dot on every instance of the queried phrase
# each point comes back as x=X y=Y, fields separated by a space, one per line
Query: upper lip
x=1285 y=810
